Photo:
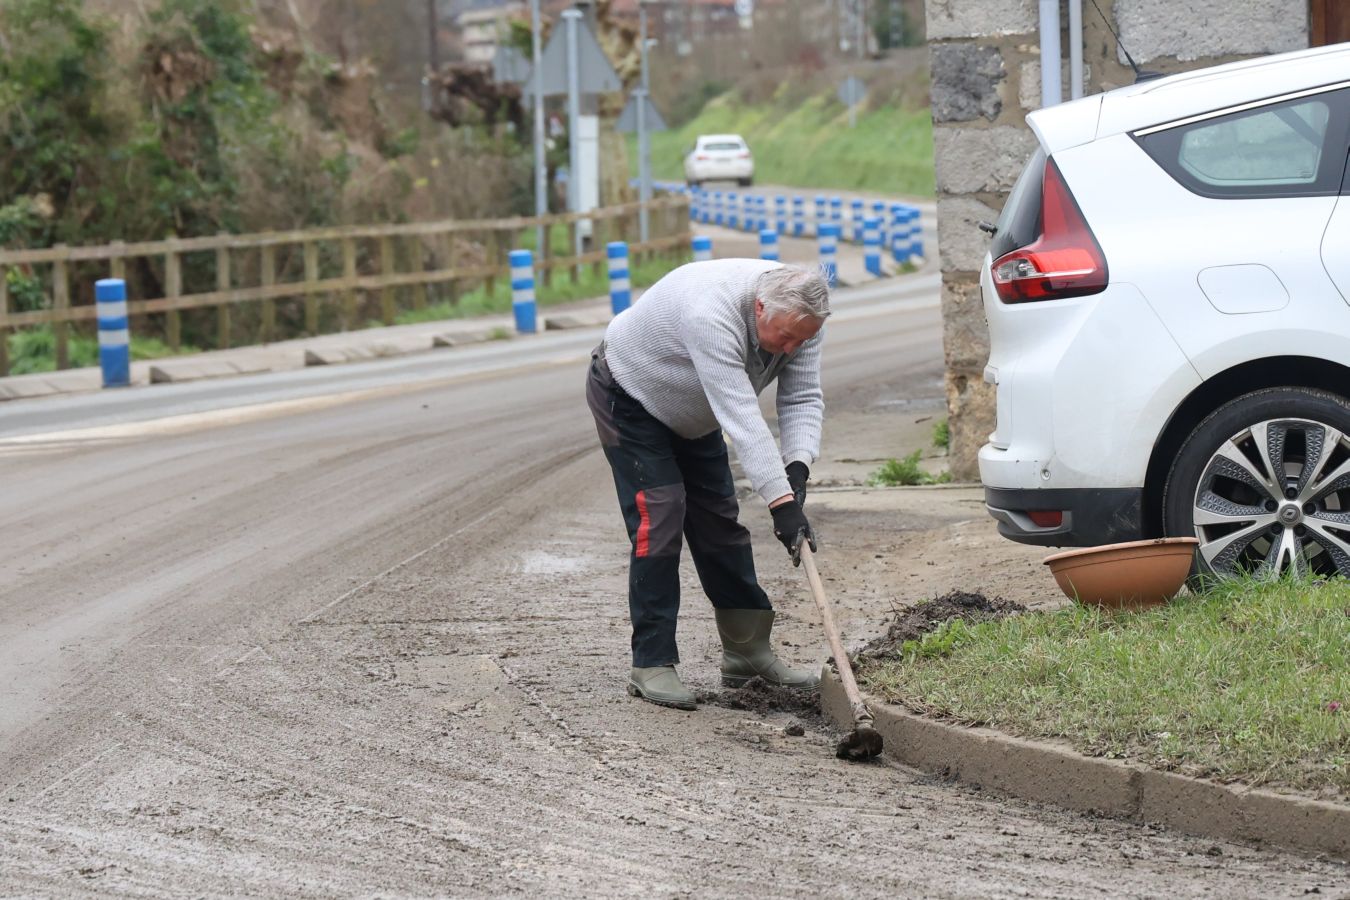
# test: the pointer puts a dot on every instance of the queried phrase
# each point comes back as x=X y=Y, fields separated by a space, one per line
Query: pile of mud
x=913 y=623
x=762 y=698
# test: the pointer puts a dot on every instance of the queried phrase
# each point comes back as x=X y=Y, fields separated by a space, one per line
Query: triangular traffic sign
x=628 y=118
x=596 y=75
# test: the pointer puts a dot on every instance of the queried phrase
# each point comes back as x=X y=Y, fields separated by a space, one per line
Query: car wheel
x=1264 y=484
x=745 y=182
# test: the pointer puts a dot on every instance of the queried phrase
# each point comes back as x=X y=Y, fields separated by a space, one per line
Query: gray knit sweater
x=688 y=351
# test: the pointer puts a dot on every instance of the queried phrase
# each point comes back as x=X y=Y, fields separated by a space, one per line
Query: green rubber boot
x=746 y=652
x=662 y=686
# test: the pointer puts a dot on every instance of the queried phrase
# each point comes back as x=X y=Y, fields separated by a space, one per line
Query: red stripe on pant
x=644 y=524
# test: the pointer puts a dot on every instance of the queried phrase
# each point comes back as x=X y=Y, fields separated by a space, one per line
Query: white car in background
x=1168 y=297
x=719 y=157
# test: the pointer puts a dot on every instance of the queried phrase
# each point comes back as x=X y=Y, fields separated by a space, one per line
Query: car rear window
x=723 y=145
x=1290 y=148
x=1020 y=222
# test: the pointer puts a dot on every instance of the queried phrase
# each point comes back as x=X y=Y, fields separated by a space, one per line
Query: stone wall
x=985 y=58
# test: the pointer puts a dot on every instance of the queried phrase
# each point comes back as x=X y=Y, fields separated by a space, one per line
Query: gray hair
x=794 y=291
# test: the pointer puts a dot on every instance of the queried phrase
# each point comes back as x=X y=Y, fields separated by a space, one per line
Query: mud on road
x=308 y=716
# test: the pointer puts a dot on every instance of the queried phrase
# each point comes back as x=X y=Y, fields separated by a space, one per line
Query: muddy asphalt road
x=376 y=645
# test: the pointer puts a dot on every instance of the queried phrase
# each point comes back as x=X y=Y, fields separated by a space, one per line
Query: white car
x=719 y=157
x=1168 y=298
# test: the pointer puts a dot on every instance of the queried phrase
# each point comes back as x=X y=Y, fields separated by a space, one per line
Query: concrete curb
x=179 y=370
x=1050 y=773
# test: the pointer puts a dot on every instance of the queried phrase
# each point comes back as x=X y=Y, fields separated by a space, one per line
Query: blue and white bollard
x=768 y=244
x=837 y=212
x=702 y=245
x=620 y=288
x=899 y=235
x=522 y=291
x=829 y=247
x=821 y=214
x=705 y=205
x=856 y=219
x=872 y=246
x=780 y=213
x=733 y=210
x=114 y=334
x=719 y=215
x=798 y=216
x=764 y=213
x=694 y=194
x=879 y=212
x=915 y=232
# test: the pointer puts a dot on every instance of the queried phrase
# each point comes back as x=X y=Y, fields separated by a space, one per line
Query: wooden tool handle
x=832 y=632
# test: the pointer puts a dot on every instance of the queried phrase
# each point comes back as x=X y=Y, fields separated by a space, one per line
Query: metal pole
x=644 y=141
x=1075 y=48
x=540 y=167
x=571 y=21
x=1050 y=71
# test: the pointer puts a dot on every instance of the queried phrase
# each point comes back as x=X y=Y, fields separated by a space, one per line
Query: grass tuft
x=897 y=472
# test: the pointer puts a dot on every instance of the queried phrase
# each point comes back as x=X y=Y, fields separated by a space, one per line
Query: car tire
x=745 y=182
x=1264 y=483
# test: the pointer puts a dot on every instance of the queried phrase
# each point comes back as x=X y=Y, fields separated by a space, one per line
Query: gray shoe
x=746 y=652
x=662 y=686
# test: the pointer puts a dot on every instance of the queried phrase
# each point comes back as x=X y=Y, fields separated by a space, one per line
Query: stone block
x=970 y=419
x=969 y=160
x=1029 y=83
x=965 y=82
x=1153 y=29
x=979 y=18
x=190 y=369
x=1244 y=814
x=960 y=240
x=965 y=331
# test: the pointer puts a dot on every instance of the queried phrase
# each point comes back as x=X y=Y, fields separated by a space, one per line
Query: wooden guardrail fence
x=265 y=268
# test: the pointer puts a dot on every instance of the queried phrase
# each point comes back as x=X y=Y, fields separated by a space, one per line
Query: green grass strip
x=1247 y=682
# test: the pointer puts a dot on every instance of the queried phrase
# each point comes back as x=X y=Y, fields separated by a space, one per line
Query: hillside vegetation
x=800 y=135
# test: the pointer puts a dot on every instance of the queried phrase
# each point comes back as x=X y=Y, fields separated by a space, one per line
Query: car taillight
x=701 y=156
x=1065 y=261
x=744 y=155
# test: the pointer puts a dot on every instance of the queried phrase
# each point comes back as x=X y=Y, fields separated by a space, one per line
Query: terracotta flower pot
x=1133 y=575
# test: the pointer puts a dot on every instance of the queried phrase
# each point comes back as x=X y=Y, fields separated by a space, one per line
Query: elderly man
x=681 y=367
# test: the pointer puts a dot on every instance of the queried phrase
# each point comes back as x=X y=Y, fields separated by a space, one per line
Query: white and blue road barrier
x=768 y=244
x=872 y=246
x=702 y=246
x=828 y=239
x=798 y=216
x=620 y=286
x=856 y=219
x=522 y=291
x=114 y=332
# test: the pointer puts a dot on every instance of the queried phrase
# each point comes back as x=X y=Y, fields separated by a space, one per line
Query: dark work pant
x=667 y=485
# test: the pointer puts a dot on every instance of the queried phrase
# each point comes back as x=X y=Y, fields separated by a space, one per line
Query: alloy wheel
x=1275 y=498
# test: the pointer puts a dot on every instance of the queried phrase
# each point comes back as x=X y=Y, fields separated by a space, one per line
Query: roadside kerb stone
x=181 y=370
x=459 y=338
x=1048 y=773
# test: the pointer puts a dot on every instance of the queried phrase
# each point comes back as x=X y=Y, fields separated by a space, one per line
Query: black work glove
x=797 y=474
x=790 y=527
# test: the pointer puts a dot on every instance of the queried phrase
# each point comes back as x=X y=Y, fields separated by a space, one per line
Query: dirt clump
x=913 y=623
x=762 y=698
